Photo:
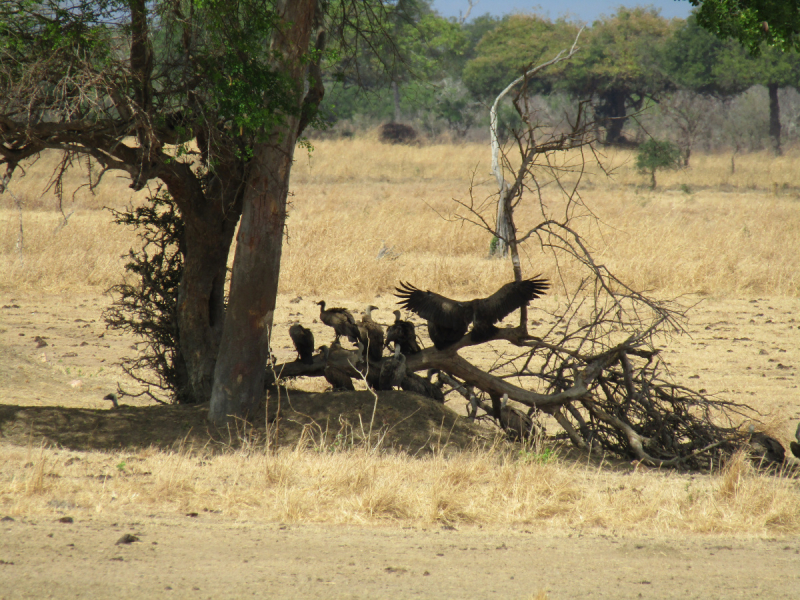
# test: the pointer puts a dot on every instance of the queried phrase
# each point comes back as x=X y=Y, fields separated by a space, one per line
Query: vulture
x=448 y=319
x=371 y=334
x=403 y=333
x=767 y=448
x=341 y=320
x=795 y=446
x=393 y=371
x=417 y=384
x=303 y=341
x=338 y=379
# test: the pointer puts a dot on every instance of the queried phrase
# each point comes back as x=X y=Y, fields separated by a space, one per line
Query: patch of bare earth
x=206 y=556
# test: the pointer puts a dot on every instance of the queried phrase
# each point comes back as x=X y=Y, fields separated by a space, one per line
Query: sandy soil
x=207 y=557
x=746 y=349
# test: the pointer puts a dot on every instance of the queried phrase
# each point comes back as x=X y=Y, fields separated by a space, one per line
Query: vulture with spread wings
x=448 y=319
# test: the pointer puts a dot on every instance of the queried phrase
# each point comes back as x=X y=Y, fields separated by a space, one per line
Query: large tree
x=701 y=62
x=206 y=96
x=618 y=66
x=511 y=48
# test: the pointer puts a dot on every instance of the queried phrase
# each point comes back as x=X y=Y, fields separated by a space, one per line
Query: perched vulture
x=448 y=319
x=403 y=333
x=341 y=320
x=417 y=384
x=303 y=341
x=338 y=379
x=393 y=371
x=517 y=425
x=767 y=448
x=795 y=446
x=371 y=334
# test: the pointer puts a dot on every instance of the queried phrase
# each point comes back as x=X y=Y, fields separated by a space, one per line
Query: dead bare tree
x=689 y=111
x=597 y=368
x=501 y=248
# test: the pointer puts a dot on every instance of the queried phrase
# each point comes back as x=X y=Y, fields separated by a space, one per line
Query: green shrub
x=656 y=154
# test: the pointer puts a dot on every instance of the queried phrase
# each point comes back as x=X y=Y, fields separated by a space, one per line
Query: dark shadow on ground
x=402 y=421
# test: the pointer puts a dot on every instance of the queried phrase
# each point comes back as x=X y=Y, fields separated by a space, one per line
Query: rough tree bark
x=244 y=349
x=614 y=105
x=201 y=296
x=774 y=119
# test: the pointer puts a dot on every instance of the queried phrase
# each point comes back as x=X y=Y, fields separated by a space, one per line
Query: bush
x=147 y=306
x=656 y=154
x=397 y=133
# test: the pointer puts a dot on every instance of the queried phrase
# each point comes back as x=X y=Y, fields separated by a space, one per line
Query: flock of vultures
x=448 y=322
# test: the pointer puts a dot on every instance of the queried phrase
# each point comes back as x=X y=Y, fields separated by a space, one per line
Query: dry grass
x=489 y=488
x=726 y=235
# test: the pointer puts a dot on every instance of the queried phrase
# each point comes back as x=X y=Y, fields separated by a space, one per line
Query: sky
x=580 y=10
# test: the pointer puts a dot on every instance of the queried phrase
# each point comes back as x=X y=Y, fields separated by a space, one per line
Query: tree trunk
x=614 y=113
x=396 y=97
x=244 y=349
x=201 y=305
x=774 y=119
x=501 y=247
x=210 y=221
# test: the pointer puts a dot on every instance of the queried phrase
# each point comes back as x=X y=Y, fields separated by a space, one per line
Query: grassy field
x=704 y=232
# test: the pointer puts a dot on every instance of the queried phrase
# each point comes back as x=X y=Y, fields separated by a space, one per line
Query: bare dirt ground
x=207 y=557
x=746 y=349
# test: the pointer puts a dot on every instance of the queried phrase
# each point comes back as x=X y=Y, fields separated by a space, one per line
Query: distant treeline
x=642 y=75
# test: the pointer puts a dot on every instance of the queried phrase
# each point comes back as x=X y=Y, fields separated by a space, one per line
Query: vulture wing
x=508 y=298
x=443 y=311
x=345 y=314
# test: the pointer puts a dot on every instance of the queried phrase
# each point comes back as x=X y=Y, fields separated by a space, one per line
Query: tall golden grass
x=318 y=483
x=703 y=230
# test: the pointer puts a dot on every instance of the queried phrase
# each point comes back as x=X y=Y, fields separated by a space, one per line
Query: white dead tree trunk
x=18 y=202
x=504 y=229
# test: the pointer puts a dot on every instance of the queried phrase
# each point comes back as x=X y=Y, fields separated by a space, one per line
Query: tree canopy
x=619 y=65
x=512 y=47
x=752 y=22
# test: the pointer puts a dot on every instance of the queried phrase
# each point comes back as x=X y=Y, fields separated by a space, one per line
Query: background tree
x=374 y=77
x=772 y=68
x=770 y=31
x=619 y=66
x=513 y=47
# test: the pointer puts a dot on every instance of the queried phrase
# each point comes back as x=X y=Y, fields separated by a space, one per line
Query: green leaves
x=656 y=154
x=517 y=44
x=753 y=22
